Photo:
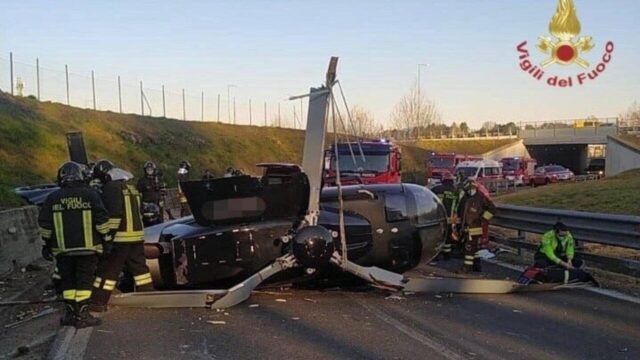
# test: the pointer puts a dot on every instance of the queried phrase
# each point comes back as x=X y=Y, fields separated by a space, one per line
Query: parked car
x=596 y=167
x=551 y=174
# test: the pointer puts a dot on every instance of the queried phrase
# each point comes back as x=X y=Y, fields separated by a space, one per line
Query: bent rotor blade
x=215 y=299
x=461 y=286
x=242 y=291
x=168 y=299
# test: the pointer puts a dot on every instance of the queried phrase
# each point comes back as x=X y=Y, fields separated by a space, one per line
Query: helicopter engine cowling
x=313 y=246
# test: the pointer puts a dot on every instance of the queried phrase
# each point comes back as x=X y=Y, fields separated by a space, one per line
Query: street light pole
x=229 y=86
x=419 y=101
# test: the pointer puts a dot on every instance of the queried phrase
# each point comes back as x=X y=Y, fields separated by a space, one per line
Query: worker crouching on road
x=73 y=222
x=447 y=193
x=557 y=248
x=475 y=209
x=125 y=251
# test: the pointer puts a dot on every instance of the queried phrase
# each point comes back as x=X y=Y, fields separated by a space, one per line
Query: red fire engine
x=444 y=164
x=364 y=162
x=518 y=169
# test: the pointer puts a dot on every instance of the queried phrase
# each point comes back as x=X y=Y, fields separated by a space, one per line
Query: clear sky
x=273 y=49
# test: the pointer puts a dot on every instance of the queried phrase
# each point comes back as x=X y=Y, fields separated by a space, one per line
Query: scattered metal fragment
x=254 y=305
x=295 y=318
x=25 y=319
x=395 y=297
x=217 y=322
x=311 y=300
x=281 y=300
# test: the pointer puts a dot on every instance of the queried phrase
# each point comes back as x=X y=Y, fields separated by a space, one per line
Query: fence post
x=184 y=107
x=250 y=119
x=38 y=77
x=119 y=95
x=141 y=99
x=265 y=114
x=11 y=70
x=202 y=106
x=93 y=89
x=218 y=107
x=234 y=110
x=164 y=104
x=66 y=75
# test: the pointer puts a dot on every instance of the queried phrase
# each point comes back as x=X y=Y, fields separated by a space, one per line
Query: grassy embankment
x=33 y=143
x=617 y=195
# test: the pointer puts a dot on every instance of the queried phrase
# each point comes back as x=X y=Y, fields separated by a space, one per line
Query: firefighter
x=447 y=193
x=183 y=175
x=73 y=222
x=125 y=251
x=557 y=248
x=475 y=209
x=153 y=191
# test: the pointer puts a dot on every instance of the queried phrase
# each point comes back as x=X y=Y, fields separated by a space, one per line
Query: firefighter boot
x=83 y=318
x=69 y=317
x=477 y=265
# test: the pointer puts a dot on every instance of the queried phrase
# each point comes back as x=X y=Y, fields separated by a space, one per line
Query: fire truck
x=518 y=169
x=363 y=162
x=439 y=165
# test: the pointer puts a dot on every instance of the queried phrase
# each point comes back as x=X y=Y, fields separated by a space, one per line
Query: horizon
x=270 y=51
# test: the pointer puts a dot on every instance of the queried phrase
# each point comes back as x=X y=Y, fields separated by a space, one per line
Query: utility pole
x=66 y=75
x=218 y=107
x=119 y=95
x=419 y=101
x=93 y=88
x=164 y=104
x=184 y=107
x=229 y=86
x=250 y=120
x=141 y=99
x=11 y=70
x=38 y=77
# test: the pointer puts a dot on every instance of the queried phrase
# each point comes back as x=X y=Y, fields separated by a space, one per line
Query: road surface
x=570 y=324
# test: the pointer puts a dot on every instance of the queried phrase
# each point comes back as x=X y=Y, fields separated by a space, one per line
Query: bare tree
x=631 y=118
x=414 y=112
x=363 y=123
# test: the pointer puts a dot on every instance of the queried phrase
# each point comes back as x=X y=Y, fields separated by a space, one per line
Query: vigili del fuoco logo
x=565 y=48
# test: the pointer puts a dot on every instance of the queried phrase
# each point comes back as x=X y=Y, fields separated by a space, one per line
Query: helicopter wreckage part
x=313 y=246
x=214 y=299
x=392 y=281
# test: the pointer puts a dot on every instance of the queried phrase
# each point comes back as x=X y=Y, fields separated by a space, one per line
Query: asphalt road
x=570 y=324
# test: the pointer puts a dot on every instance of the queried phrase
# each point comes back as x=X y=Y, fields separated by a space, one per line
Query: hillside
x=470 y=147
x=33 y=143
x=617 y=194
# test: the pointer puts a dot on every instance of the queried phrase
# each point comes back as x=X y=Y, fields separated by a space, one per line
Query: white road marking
x=416 y=335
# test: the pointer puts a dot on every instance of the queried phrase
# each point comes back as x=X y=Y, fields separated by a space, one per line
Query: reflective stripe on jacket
x=73 y=220
x=123 y=204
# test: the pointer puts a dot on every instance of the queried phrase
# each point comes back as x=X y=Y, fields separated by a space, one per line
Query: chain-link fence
x=101 y=91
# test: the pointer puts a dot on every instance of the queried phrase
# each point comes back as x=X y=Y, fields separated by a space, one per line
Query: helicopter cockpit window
x=395 y=207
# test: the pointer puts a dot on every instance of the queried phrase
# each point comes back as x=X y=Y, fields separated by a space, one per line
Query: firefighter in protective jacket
x=73 y=222
x=448 y=195
x=475 y=209
x=125 y=251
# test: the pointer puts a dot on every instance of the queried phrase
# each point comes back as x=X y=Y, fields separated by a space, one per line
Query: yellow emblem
x=565 y=27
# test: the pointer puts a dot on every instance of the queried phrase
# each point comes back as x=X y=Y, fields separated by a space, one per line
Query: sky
x=274 y=49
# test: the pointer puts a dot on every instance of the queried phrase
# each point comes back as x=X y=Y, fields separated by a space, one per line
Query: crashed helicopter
x=284 y=225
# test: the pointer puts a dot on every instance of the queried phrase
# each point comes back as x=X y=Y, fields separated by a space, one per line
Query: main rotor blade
x=390 y=280
x=215 y=299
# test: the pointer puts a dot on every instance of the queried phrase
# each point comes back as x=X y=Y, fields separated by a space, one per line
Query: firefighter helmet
x=101 y=169
x=150 y=168
x=70 y=172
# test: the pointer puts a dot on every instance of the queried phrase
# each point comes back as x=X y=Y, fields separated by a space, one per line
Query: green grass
x=617 y=195
x=33 y=143
x=470 y=147
x=632 y=139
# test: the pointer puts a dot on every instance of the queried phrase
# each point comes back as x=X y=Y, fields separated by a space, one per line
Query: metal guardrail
x=614 y=230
